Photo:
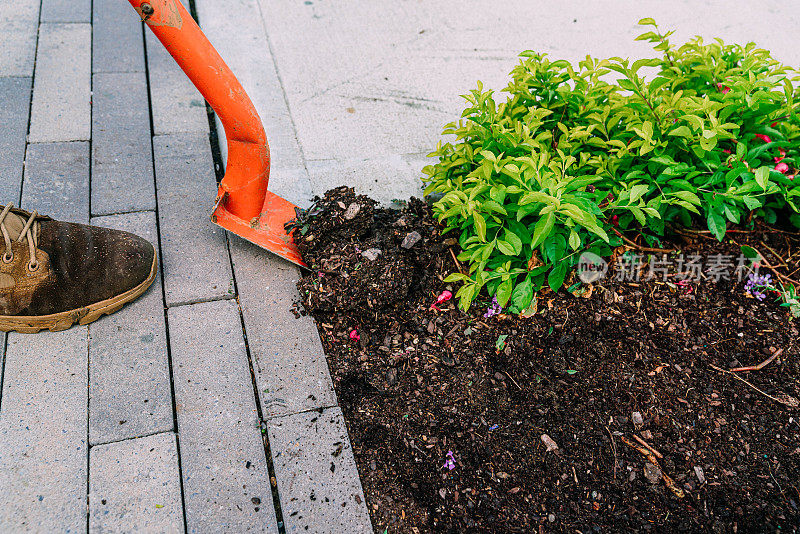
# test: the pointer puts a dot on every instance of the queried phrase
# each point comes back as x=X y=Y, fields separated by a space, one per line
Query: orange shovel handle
x=243 y=189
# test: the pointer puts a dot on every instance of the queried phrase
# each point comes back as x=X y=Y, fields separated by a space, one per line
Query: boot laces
x=26 y=232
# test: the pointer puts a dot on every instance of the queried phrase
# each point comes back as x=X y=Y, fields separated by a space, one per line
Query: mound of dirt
x=612 y=409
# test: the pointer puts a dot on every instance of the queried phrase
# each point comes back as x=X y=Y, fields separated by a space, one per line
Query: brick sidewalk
x=160 y=417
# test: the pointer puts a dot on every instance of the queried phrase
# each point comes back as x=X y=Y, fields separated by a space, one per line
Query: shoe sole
x=31 y=324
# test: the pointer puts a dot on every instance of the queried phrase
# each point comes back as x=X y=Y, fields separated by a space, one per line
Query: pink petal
x=782 y=167
x=764 y=138
x=726 y=150
x=354 y=336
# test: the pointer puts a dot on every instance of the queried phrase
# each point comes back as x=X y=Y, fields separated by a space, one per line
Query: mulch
x=611 y=409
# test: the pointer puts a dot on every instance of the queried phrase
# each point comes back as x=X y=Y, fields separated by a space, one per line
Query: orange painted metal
x=243 y=205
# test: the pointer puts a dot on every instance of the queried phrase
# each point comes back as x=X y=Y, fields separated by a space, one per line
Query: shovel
x=243 y=205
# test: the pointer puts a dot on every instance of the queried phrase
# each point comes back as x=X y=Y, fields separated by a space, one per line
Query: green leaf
x=513 y=239
x=536 y=196
x=716 y=224
x=681 y=131
x=554 y=247
x=750 y=253
x=752 y=203
x=494 y=206
x=639 y=214
x=762 y=177
x=637 y=191
x=688 y=196
x=542 y=229
x=646 y=22
x=574 y=240
x=503 y=292
x=521 y=296
x=456 y=277
x=556 y=277
x=480 y=225
x=505 y=248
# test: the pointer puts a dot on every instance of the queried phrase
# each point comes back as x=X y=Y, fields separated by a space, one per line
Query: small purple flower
x=756 y=282
x=493 y=427
x=494 y=309
x=450 y=463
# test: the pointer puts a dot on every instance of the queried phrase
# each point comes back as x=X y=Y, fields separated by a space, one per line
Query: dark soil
x=588 y=375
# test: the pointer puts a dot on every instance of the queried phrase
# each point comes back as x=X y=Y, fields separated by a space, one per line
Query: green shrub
x=570 y=161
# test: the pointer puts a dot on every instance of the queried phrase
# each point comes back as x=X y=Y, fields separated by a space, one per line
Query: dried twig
x=678 y=492
x=763 y=261
x=458 y=263
x=776 y=255
x=649 y=447
x=640 y=247
x=614 y=449
x=788 y=400
x=512 y=379
x=760 y=365
x=766 y=230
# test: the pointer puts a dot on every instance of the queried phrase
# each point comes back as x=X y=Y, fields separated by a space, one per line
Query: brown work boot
x=53 y=274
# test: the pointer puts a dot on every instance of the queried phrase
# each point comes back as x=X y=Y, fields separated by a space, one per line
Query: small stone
x=637 y=420
x=549 y=443
x=371 y=253
x=701 y=476
x=551 y=518
x=373 y=465
x=442 y=492
x=352 y=211
x=391 y=376
x=411 y=239
x=652 y=473
x=255 y=500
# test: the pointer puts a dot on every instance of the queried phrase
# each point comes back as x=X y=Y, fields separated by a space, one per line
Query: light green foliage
x=570 y=159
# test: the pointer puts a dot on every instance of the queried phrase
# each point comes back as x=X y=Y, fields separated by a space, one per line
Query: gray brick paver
x=178 y=107
x=66 y=11
x=18 y=33
x=43 y=449
x=129 y=383
x=288 y=360
x=225 y=477
x=256 y=72
x=15 y=97
x=317 y=476
x=56 y=180
x=122 y=162
x=117 y=42
x=61 y=90
x=134 y=486
x=196 y=261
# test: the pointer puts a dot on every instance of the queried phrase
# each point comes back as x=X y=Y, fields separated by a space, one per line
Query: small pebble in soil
x=549 y=443
x=371 y=253
x=411 y=239
x=391 y=376
x=701 y=477
x=636 y=419
x=652 y=473
x=352 y=211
